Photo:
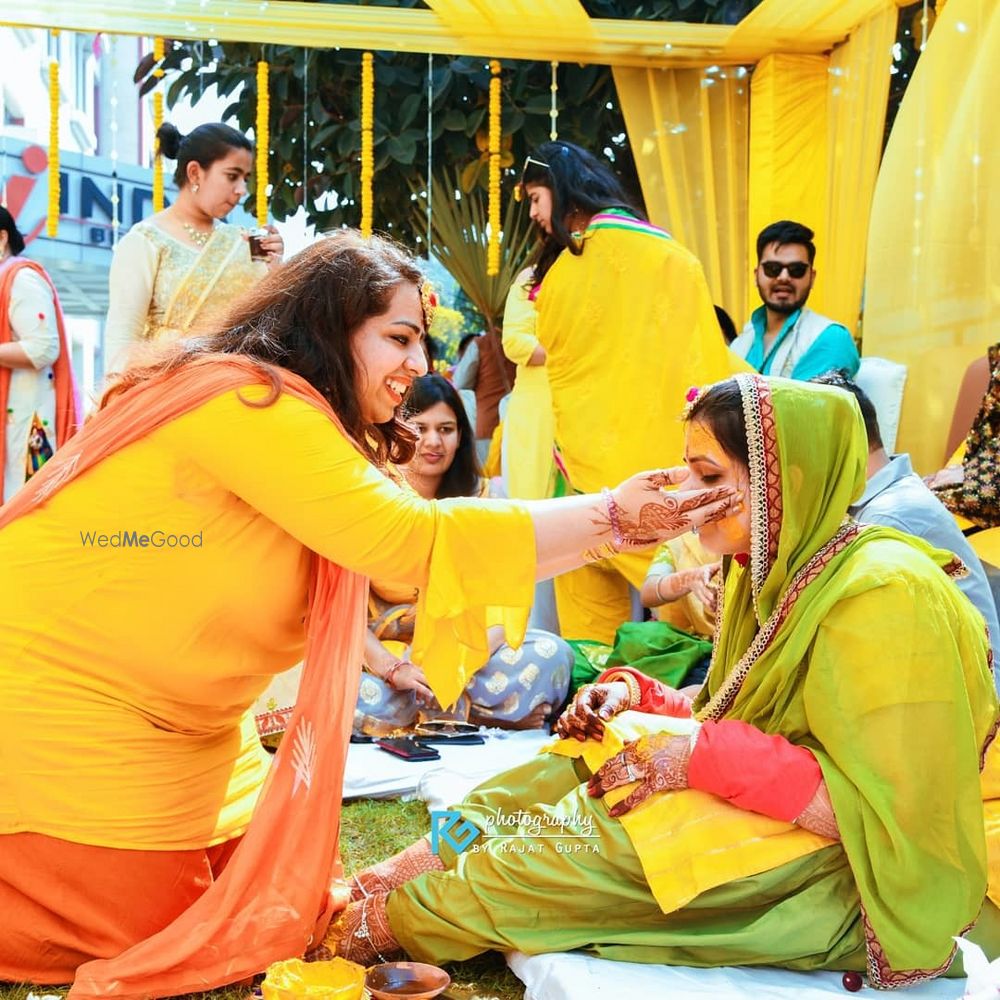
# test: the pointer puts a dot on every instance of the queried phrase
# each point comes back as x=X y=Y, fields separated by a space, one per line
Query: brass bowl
x=409 y=980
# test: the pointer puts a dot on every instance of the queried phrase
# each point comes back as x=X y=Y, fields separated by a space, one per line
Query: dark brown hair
x=203 y=145
x=720 y=409
x=301 y=317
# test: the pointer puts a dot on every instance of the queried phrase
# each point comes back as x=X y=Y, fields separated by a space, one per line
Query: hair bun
x=169 y=140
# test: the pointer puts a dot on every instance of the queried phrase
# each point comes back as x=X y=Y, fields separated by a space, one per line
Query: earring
x=194 y=188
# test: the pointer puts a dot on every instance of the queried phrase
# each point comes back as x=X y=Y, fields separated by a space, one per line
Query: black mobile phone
x=456 y=739
x=407 y=748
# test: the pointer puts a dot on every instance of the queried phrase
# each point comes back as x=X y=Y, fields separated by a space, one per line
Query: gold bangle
x=634 y=691
x=656 y=589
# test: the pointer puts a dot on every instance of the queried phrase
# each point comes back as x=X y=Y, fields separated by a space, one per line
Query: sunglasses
x=796 y=269
x=519 y=191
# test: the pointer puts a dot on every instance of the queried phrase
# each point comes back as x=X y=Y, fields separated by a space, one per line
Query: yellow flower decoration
x=367 y=140
x=493 y=248
x=263 y=138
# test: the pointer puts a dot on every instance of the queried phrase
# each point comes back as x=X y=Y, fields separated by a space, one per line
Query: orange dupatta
x=69 y=412
x=273 y=899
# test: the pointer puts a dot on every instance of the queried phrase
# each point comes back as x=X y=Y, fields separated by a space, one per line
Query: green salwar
x=514 y=891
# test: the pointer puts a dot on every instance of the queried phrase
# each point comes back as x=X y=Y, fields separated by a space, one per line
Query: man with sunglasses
x=783 y=336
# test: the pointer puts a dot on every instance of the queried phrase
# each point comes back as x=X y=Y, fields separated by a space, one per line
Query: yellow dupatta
x=221 y=271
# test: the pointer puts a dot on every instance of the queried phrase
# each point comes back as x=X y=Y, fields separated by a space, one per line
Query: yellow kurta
x=529 y=427
x=126 y=673
x=629 y=327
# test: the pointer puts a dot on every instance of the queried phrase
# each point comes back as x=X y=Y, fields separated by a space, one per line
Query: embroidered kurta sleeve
x=295 y=467
x=131 y=281
x=33 y=318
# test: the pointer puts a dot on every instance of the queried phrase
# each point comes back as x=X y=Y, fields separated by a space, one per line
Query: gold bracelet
x=634 y=691
x=656 y=589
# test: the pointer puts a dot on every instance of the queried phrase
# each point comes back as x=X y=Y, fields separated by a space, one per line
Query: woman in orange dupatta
x=216 y=520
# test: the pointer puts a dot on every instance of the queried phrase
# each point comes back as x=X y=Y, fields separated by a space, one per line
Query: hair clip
x=428 y=303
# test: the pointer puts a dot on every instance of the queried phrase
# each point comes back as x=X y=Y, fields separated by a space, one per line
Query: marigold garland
x=493 y=249
x=554 y=109
x=263 y=138
x=367 y=144
x=52 y=219
x=158 y=198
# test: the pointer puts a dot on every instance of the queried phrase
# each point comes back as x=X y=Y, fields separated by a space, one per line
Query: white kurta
x=32 y=317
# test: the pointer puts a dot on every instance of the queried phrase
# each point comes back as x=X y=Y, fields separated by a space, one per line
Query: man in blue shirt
x=783 y=336
x=898 y=498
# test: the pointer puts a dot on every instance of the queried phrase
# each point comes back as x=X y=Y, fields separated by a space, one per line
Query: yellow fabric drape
x=857 y=93
x=788 y=154
x=934 y=243
x=689 y=131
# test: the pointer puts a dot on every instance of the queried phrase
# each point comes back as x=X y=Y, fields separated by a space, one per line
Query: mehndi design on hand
x=658 y=762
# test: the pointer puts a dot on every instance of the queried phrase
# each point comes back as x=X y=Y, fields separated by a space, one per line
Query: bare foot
x=537 y=718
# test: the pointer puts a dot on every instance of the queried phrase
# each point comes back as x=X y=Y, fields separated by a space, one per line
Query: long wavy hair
x=578 y=182
x=301 y=318
x=463 y=476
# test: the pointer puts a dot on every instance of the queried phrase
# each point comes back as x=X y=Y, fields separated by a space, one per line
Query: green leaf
x=454 y=120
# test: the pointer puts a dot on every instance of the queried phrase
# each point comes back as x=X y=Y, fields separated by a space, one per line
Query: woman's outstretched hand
x=643 y=513
x=658 y=762
x=591 y=707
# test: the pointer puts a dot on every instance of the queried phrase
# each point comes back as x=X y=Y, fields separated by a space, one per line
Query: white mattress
x=575 y=976
x=373 y=773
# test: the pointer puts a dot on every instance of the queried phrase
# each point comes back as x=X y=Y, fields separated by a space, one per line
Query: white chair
x=883 y=381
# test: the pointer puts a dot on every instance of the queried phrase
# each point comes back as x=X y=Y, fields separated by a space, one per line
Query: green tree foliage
x=316 y=100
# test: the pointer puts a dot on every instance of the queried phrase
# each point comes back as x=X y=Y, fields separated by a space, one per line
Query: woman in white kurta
x=173 y=272
x=32 y=341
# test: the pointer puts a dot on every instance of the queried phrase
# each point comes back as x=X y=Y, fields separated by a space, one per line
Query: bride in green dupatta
x=818 y=806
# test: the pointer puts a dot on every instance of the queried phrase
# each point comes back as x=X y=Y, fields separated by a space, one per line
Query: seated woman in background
x=517 y=688
x=971 y=488
x=817 y=806
x=680 y=588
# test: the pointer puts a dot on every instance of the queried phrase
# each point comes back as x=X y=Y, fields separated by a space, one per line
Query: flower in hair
x=692 y=396
x=428 y=303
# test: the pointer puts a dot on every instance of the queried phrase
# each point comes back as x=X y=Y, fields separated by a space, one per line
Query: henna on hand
x=658 y=762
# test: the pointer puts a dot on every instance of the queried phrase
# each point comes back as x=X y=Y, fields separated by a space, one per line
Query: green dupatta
x=852 y=642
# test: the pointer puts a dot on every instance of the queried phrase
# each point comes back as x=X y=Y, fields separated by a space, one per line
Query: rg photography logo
x=157 y=539
x=520 y=832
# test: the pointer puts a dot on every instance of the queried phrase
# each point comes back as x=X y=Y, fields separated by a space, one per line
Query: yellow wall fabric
x=788 y=154
x=689 y=132
x=128 y=672
x=932 y=298
x=857 y=93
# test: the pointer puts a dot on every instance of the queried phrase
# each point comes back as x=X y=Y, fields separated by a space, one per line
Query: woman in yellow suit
x=528 y=427
x=628 y=326
x=216 y=520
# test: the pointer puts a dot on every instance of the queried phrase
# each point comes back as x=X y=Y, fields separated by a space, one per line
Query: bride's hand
x=643 y=513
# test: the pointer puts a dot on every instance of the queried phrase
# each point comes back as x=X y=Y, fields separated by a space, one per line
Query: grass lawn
x=371 y=830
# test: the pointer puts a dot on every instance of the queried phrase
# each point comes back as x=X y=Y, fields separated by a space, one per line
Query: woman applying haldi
x=148 y=845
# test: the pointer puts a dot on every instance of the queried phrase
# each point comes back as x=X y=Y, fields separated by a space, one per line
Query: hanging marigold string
x=493 y=249
x=367 y=144
x=52 y=219
x=263 y=138
x=554 y=109
x=158 y=199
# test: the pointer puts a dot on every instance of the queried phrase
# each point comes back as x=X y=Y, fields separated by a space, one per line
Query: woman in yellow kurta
x=627 y=323
x=528 y=428
x=172 y=272
x=214 y=521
